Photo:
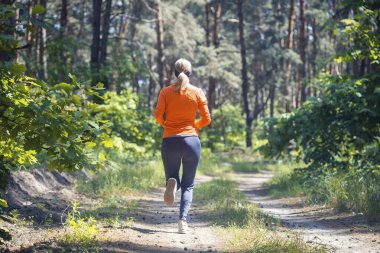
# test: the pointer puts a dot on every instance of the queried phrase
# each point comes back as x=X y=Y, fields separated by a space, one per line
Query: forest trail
x=317 y=225
x=154 y=226
x=155 y=229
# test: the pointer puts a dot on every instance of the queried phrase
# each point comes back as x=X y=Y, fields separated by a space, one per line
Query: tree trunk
x=63 y=30
x=244 y=74
x=81 y=19
x=63 y=21
x=97 y=9
x=217 y=14
x=30 y=40
x=41 y=45
x=211 y=85
x=292 y=17
x=104 y=41
x=207 y=28
x=302 y=50
x=248 y=132
x=152 y=84
x=272 y=91
x=160 y=44
x=297 y=88
x=17 y=56
x=211 y=95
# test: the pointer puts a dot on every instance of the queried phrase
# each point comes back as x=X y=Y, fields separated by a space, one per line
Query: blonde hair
x=183 y=71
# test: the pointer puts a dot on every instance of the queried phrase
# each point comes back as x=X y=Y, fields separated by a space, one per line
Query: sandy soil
x=344 y=232
x=155 y=230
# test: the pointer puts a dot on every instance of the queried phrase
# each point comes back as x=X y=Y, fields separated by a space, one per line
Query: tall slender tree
x=292 y=17
x=244 y=74
x=302 y=50
x=160 y=44
x=95 y=47
x=42 y=67
x=217 y=4
x=104 y=41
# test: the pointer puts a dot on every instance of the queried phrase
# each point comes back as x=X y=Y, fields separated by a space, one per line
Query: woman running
x=180 y=102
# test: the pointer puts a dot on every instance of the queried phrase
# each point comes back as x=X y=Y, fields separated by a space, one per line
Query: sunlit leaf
x=38 y=9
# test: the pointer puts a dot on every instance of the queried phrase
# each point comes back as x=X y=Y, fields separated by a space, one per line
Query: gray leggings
x=185 y=149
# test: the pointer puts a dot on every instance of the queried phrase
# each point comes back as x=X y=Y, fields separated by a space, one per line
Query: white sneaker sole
x=186 y=231
x=183 y=229
x=169 y=195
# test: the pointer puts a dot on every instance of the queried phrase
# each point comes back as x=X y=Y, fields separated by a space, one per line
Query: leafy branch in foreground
x=54 y=122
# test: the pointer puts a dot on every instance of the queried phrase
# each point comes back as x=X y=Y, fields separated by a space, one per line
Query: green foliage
x=226 y=130
x=52 y=122
x=359 y=31
x=80 y=231
x=285 y=183
x=133 y=131
x=63 y=59
x=25 y=23
x=338 y=133
x=40 y=121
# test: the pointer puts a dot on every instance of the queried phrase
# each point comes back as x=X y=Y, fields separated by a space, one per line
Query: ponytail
x=182 y=72
x=183 y=81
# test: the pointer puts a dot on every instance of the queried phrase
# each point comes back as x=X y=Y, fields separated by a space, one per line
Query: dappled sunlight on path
x=155 y=229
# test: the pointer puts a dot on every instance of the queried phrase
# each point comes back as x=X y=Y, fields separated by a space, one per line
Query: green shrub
x=135 y=134
x=80 y=232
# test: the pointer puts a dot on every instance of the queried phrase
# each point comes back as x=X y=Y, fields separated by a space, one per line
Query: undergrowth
x=80 y=232
x=125 y=178
x=343 y=191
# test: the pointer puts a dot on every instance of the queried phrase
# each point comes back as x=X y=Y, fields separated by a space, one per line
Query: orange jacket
x=180 y=110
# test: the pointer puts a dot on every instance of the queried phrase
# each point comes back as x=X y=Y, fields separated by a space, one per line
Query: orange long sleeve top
x=180 y=110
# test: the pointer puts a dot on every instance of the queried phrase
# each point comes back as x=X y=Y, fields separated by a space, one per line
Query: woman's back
x=180 y=109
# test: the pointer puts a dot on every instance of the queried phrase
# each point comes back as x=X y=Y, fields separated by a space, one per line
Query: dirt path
x=316 y=224
x=155 y=225
x=155 y=229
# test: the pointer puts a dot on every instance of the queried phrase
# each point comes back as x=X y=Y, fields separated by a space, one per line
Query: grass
x=120 y=179
x=249 y=229
x=81 y=232
x=283 y=183
x=107 y=209
x=234 y=161
x=344 y=191
x=261 y=241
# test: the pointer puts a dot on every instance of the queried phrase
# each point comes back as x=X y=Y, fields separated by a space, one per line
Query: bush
x=225 y=130
x=337 y=134
x=80 y=231
x=134 y=132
